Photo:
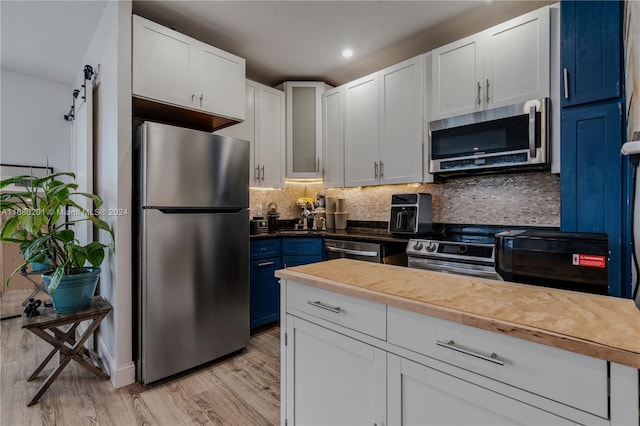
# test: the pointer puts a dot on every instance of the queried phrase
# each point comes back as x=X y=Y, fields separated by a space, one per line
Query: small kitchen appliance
x=272 y=217
x=464 y=258
x=567 y=260
x=258 y=225
x=411 y=214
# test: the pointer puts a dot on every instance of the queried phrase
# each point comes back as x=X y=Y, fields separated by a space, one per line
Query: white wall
x=32 y=121
x=110 y=49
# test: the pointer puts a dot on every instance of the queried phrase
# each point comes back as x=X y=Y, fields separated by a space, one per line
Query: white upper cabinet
x=362 y=132
x=270 y=136
x=504 y=65
x=333 y=134
x=264 y=129
x=516 y=60
x=304 y=128
x=401 y=124
x=457 y=72
x=172 y=68
x=383 y=126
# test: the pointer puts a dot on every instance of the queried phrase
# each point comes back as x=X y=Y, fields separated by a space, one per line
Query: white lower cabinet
x=420 y=395
x=350 y=361
x=334 y=380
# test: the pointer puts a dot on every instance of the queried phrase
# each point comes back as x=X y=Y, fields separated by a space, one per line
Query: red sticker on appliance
x=589 y=260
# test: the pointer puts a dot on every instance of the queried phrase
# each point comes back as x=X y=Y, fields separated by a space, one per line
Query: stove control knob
x=431 y=247
x=462 y=249
x=417 y=246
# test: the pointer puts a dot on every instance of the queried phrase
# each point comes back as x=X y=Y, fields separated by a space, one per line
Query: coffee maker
x=272 y=217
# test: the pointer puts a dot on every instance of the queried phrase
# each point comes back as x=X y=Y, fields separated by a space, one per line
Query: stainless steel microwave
x=514 y=136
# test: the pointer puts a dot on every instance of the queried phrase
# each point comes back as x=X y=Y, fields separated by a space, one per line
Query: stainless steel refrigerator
x=192 y=226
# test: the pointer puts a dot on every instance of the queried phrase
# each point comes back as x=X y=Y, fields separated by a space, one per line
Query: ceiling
x=281 y=40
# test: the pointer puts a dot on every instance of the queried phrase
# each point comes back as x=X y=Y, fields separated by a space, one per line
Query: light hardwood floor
x=241 y=390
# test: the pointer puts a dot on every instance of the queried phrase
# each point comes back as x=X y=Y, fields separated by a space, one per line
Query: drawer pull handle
x=263 y=264
x=451 y=345
x=320 y=305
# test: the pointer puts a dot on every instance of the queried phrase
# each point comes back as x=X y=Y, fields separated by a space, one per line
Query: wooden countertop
x=599 y=326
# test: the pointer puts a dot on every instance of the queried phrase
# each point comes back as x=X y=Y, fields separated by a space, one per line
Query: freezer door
x=194 y=290
x=188 y=168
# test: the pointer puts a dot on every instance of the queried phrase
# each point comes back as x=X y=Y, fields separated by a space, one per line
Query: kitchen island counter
x=599 y=326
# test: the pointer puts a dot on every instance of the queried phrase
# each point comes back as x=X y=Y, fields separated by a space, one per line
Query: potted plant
x=38 y=219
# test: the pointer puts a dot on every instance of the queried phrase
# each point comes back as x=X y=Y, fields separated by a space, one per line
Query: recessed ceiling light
x=347 y=53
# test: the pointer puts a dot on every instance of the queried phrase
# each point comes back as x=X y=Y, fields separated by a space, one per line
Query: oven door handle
x=353 y=252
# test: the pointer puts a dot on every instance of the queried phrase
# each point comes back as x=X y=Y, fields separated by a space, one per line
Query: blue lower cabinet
x=301 y=251
x=594 y=183
x=265 y=291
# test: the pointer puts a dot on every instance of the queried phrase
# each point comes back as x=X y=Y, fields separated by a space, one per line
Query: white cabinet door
x=457 y=75
x=246 y=130
x=270 y=136
x=264 y=128
x=333 y=134
x=161 y=59
x=218 y=81
x=362 y=132
x=333 y=379
x=420 y=395
x=401 y=103
x=516 y=60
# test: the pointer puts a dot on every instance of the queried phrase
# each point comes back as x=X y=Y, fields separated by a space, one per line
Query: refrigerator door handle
x=196 y=210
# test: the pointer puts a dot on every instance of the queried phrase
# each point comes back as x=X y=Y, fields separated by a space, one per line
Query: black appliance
x=485 y=141
x=411 y=214
x=566 y=260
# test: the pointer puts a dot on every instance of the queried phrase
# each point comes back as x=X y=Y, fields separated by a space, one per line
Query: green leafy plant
x=35 y=219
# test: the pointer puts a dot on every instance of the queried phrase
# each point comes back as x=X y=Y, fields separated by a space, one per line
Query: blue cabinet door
x=591 y=51
x=265 y=291
x=593 y=182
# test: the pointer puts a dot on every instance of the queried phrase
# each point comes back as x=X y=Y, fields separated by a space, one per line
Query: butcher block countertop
x=599 y=326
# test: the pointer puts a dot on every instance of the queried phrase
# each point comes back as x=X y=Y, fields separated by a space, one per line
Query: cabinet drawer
x=302 y=246
x=357 y=314
x=549 y=372
x=265 y=248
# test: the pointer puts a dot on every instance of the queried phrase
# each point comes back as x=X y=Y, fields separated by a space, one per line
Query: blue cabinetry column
x=595 y=178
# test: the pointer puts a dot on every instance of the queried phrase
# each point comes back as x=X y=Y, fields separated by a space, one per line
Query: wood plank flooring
x=241 y=390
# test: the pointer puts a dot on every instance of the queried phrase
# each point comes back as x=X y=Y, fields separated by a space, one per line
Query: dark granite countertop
x=354 y=234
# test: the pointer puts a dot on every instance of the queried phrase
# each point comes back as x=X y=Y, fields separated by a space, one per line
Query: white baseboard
x=121 y=375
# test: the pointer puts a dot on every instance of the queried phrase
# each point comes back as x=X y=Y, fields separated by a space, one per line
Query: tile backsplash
x=525 y=199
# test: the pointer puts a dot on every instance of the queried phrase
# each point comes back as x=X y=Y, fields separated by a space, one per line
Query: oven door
x=368 y=252
x=469 y=269
x=514 y=135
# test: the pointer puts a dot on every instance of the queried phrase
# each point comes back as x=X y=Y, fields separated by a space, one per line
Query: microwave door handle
x=532 y=131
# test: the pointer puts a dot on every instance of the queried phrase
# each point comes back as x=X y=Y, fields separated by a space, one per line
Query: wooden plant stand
x=47 y=327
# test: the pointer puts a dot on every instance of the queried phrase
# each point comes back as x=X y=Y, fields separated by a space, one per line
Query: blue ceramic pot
x=74 y=293
x=39 y=267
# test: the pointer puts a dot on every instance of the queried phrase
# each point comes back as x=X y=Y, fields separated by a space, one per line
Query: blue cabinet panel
x=265 y=291
x=302 y=246
x=300 y=251
x=591 y=50
x=593 y=196
x=290 y=261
